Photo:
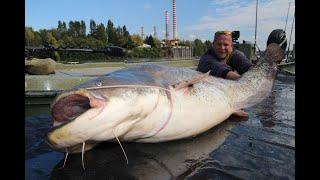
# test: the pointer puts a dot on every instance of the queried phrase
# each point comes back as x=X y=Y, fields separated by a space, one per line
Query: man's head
x=222 y=44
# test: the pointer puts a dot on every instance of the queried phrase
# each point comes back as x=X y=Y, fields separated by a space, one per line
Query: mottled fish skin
x=256 y=84
x=150 y=109
x=146 y=74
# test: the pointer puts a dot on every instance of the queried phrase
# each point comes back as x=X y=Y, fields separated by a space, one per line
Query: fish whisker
x=82 y=154
x=65 y=159
x=120 y=146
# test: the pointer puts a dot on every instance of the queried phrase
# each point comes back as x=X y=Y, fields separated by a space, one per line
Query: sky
x=195 y=18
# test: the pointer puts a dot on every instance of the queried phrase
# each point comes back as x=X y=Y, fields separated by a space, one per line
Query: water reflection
x=146 y=161
x=268 y=113
x=271 y=111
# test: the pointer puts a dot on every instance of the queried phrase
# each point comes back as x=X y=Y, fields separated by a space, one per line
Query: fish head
x=93 y=114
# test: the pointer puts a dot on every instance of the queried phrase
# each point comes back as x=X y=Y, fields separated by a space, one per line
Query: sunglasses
x=226 y=32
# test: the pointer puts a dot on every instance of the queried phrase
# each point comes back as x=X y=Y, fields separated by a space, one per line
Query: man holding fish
x=222 y=60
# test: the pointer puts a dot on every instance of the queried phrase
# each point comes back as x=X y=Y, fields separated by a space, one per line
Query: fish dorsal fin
x=191 y=81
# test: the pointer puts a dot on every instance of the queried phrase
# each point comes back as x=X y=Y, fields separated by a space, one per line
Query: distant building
x=144 y=46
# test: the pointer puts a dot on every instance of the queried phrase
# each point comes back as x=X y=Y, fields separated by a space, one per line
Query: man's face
x=222 y=46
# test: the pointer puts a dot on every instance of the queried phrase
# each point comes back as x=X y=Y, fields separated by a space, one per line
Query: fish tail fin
x=274 y=54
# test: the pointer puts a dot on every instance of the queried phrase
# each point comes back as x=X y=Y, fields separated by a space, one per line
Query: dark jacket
x=237 y=61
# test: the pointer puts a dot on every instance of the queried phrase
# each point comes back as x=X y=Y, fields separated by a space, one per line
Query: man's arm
x=233 y=75
x=204 y=64
x=216 y=68
x=241 y=63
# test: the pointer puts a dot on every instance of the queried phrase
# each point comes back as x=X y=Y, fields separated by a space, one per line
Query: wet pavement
x=263 y=147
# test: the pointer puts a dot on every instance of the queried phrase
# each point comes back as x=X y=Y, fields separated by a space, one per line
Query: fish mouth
x=67 y=108
x=70 y=107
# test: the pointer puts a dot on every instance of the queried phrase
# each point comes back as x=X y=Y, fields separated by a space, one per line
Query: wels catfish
x=154 y=103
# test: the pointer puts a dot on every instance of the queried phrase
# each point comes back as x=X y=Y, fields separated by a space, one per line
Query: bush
x=56 y=56
x=144 y=53
x=81 y=56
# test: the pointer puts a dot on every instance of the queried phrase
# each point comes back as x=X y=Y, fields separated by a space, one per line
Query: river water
x=261 y=147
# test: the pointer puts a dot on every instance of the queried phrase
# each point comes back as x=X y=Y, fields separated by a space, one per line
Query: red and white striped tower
x=175 y=35
x=167 y=24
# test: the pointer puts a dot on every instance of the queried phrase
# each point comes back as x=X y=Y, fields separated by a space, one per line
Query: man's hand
x=233 y=75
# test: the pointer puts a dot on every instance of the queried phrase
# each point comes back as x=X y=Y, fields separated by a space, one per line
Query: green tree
x=29 y=36
x=199 y=47
x=56 y=34
x=77 y=28
x=80 y=42
x=135 y=40
x=125 y=32
x=185 y=43
x=37 y=39
x=67 y=41
x=157 y=43
x=149 y=40
x=71 y=29
x=93 y=27
x=188 y=43
x=74 y=36
x=111 y=33
x=74 y=29
x=83 y=29
x=101 y=33
x=130 y=44
x=125 y=37
x=208 y=44
x=49 y=39
x=60 y=31
x=94 y=43
x=120 y=39
x=62 y=26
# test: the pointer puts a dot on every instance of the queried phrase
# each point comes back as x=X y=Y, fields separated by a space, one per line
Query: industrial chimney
x=167 y=24
x=154 y=31
x=175 y=35
x=142 y=34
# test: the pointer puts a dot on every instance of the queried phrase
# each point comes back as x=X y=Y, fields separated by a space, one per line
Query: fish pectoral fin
x=190 y=82
x=240 y=113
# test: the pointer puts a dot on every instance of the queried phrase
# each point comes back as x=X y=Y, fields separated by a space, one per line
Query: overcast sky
x=195 y=18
